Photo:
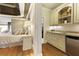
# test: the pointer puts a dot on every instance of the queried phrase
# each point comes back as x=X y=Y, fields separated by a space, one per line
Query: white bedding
x=10 y=39
x=6 y=40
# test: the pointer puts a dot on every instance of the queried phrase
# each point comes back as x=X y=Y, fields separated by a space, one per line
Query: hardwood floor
x=15 y=51
x=28 y=53
x=49 y=50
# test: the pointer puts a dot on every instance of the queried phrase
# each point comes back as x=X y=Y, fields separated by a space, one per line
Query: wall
x=5 y=20
x=45 y=18
x=4 y=26
x=54 y=17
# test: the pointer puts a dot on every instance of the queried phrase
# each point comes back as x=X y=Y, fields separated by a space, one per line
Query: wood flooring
x=15 y=51
x=47 y=50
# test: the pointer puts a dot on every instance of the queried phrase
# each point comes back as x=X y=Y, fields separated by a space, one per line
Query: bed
x=14 y=40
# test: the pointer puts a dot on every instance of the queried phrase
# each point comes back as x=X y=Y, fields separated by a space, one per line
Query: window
x=3 y=28
x=5 y=24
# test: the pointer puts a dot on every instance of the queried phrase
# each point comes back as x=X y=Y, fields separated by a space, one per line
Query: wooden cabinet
x=49 y=37
x=73 y=17
x=66 y=13
x=76 y=13
x=57 y=40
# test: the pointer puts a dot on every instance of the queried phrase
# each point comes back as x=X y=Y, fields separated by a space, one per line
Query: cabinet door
x=76 y=13
x=59 y=41
x=47 y=37
x=50 y=38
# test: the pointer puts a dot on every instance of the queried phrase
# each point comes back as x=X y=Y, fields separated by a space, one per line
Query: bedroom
x=15 y=29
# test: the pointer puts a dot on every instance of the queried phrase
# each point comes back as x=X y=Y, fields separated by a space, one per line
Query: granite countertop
x=71 y=33
x=58 y=32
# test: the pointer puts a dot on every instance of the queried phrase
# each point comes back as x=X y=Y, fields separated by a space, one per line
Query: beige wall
x=46 y=18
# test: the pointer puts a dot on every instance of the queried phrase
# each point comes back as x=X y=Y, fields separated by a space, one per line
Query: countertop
x=71 y=33
x=57 y=32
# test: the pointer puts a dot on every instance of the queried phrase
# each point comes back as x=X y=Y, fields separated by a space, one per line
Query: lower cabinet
x=56 y=40
x=59 y=41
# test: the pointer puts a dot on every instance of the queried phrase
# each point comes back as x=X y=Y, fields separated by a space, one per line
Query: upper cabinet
x=76 y=13
x=63 y=14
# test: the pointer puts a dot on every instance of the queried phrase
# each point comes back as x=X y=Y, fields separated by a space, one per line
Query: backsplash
x=68 y=27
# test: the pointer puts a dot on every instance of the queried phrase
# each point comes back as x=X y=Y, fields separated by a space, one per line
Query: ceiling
x=51 y=5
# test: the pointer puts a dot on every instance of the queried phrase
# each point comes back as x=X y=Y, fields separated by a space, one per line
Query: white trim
x=36 y=29
x=21 y=7
x=30 y=9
